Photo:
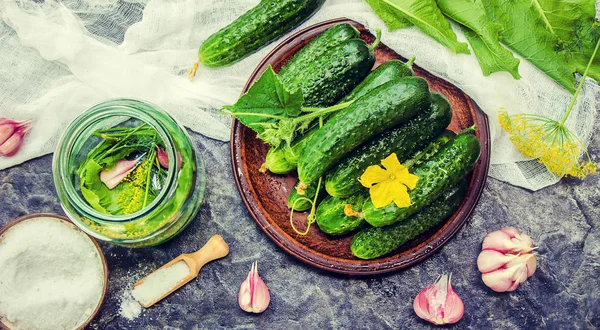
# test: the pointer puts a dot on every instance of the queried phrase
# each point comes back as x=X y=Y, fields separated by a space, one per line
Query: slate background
x=564 y=293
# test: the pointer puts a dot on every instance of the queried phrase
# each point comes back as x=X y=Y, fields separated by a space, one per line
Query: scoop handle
x=214 y=249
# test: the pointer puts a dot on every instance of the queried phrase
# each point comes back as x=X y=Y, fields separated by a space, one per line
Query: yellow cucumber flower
x=389 y=184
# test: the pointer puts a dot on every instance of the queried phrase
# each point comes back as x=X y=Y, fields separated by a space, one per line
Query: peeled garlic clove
x=254 y=295
x=111 y=178
x=438 y=303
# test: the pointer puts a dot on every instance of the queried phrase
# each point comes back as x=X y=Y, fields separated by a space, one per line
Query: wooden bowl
x=70 y=224
x=266 y=195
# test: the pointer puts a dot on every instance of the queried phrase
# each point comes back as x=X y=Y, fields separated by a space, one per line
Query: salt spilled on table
x=160 y=282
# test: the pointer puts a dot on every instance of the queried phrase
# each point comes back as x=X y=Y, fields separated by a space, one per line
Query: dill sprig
x=549 y=140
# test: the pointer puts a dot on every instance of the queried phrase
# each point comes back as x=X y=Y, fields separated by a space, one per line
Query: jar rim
x=81 y=126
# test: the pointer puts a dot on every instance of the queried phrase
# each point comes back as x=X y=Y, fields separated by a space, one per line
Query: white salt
x=51 y=276
x=160 y=282
x=130 y=309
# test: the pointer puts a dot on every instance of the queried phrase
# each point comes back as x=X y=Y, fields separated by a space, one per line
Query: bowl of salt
x=52 y=275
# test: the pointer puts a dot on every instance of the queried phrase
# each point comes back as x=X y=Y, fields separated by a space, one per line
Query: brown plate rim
x=367 y=267
x=102 y=257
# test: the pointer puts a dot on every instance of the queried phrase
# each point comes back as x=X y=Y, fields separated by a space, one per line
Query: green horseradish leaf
x=482 y=34
x=556 y=36
x=425 y=15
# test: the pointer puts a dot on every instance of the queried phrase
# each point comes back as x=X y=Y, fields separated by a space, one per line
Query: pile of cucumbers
x=393 y=111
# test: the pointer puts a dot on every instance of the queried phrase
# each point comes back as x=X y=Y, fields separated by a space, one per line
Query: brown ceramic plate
x=266 y=195
x=70 y=224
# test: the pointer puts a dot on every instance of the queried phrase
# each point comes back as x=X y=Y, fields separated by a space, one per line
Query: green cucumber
x=388 y=105
x=298 y=202
x=388 y=71
x=342 y=180
x=356 y=202
x=374 y=242
x=442 y=171
x=432 y=148
x=276 y=163
x=332 y=37
x=333 y=220
x=333 y=74
x=255 y=29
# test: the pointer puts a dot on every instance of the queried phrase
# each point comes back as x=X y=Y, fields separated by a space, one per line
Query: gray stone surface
x=564 y=293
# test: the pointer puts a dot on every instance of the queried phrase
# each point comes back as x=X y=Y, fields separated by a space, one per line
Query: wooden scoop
x=214 y=249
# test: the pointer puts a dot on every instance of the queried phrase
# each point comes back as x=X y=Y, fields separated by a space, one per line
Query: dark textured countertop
x=564 y=293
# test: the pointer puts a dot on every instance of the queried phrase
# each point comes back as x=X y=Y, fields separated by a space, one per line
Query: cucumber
x=255 y=29
x=442 y=171
x=333 y=74
x=342 y=180
x=388 y=71
x=373 y=242
x=332 y=37
x=356 y=202
x=332 y=219
x=328 y=48
x=432 y=148
x=276 y=163
x=303 y=204
x=386 y=106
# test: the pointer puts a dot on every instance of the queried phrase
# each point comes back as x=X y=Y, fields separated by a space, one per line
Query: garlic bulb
x=506 y=259
x=439 y=304
x=254 y=295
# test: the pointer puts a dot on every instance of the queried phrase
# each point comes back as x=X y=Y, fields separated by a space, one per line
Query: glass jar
x=178 y=199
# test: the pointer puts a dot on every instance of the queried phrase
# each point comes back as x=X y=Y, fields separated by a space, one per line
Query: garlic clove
x=112 y=177
x=12 y=134
x=6 y=131
x=438 y=303
x=254 y=295
x=490 y=260
x=163 y=158
x=508 y=240
x=511 y=275
x=13 y=144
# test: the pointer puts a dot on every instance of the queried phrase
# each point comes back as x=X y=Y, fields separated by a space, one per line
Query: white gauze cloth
x=60 y=58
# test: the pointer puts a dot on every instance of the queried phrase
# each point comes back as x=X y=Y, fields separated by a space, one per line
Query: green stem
x=149 y=177
x=411 y=61
x=317 y=112
x=253 y=114
x=377 y=39
x=580 y=84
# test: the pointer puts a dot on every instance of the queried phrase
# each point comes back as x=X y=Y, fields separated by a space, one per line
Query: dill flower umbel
x=550 y=141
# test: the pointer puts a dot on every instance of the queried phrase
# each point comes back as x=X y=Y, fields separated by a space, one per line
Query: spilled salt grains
x=51 y=275
x=160 y=282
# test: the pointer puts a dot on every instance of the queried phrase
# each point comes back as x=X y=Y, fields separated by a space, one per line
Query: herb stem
x=318 y=112
x=151 y=158
x=580 y=84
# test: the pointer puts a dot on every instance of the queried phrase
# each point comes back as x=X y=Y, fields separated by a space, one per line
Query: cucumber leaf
x=482 y=34
x=266 y=102
x=425 y=15
x=391 y=17
x=556 y=36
